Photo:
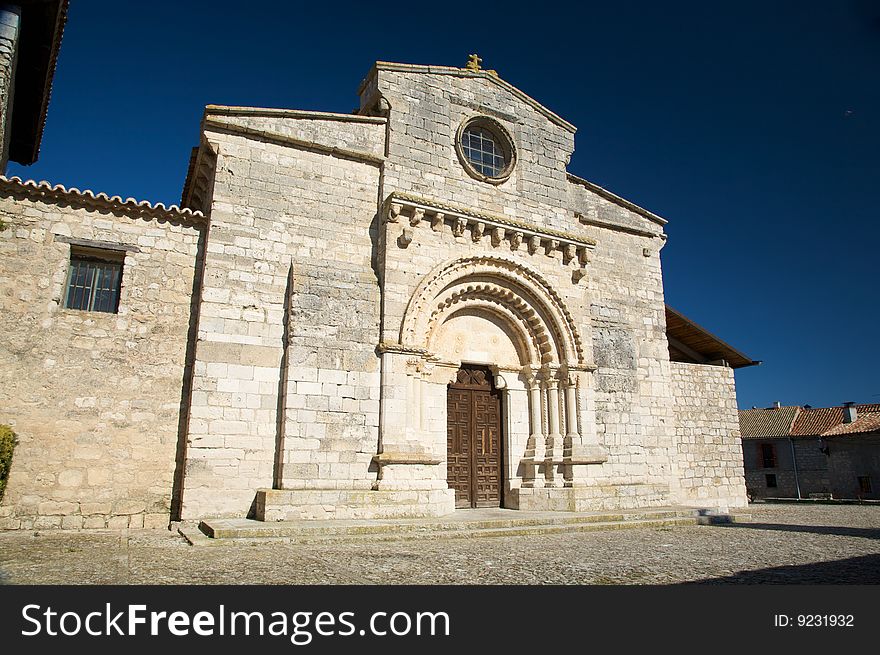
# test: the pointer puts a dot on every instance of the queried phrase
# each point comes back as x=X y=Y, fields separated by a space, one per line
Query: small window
x=94 y=280
x=768 y=456
x=485 y=149
x=771 y=480
x=864 y=484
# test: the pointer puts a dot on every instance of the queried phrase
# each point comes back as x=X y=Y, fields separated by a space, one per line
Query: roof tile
x=763 y=423
x=865 y=422
x=815 y=421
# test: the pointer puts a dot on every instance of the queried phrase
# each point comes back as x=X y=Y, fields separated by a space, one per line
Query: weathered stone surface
x=353 y=265
x=707 y=426
x=94 y=397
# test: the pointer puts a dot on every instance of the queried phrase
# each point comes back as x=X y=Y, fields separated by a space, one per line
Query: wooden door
x=473 y=439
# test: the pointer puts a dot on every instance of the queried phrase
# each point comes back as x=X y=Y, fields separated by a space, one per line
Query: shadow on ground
x=839 y=530
x=853 y=570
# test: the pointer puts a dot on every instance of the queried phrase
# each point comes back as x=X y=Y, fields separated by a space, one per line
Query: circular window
x=485 y=149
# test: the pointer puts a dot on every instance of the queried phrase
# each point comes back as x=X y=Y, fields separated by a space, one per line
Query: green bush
x=7 y=445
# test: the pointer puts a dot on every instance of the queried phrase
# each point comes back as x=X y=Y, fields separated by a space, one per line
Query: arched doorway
x=473 y=438
x=498 y=315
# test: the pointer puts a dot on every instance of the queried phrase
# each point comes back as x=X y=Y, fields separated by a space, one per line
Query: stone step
x=460 y=520
x=197 y=538
x=462 y=524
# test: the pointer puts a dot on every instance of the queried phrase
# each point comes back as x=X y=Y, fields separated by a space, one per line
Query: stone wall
x=426 y=111
x=618 y=307
x=824 y=466
x=317 y=386
x=94 y=397
x=10 y=21
x=707 y=427
x=634 y=400
x=756 y=473
x=286 y=376
x=853 y=457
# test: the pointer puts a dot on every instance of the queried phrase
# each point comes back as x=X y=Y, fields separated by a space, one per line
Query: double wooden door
x=473 y=439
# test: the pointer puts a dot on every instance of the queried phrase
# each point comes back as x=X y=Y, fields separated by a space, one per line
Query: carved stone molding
x=502 y=280
x=575 y=249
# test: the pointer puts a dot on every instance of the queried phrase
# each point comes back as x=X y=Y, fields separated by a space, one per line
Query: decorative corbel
x=405 y=237
x=394 y=212
x=516 y=240
x=459 y=226
x=477 y=232
x=583 y=256
x=568 y=252
x=437 y=221
x=534 y=244
x=550 y=247
x=417 y=216
x=498 y=236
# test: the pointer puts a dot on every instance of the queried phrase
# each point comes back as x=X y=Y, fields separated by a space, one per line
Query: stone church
x=400 y=312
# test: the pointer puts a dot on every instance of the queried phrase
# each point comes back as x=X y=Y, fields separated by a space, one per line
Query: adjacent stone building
x=812 y=452
x=392 y=313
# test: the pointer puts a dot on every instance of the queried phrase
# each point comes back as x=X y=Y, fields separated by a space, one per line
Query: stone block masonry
x=370 y=328
x=709 y=448
x=94 y=397
x=286 y=376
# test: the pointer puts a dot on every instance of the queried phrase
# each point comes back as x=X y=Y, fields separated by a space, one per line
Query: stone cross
x=474 y=62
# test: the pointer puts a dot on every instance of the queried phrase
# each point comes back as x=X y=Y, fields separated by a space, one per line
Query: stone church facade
x=392 y=313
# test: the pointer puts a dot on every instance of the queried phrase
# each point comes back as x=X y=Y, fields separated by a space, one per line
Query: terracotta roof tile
x=763 y=423
x=818 y=420
x=46 y=192
x=865 y=422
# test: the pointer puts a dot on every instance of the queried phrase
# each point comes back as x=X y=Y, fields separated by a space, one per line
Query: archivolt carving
x=499 y=281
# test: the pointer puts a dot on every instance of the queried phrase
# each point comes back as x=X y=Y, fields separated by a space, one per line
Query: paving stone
x=782 y=544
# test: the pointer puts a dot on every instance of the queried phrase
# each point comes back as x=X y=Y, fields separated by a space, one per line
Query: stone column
x=571 y=426
x=536 y=444
x=554 y=438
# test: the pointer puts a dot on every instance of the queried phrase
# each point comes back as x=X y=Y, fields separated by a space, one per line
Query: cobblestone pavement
x=783 y=544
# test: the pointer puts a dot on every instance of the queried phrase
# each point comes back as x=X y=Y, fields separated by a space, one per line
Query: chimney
x=850 y=413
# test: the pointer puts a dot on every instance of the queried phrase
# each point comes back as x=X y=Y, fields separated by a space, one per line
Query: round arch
x=501 y=285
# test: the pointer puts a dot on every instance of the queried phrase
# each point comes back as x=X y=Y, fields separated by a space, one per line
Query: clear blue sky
x=753 y=127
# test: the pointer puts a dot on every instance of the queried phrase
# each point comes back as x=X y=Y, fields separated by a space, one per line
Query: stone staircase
x=463 y=524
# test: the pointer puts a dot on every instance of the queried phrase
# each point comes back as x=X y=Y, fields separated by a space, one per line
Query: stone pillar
x=582 y=447
x=554 y=438
x=536 y=444
x=10 y=28
x=571 y=427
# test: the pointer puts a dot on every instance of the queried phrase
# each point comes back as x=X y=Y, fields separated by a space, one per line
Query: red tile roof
x=865 y=422
x=818 y=420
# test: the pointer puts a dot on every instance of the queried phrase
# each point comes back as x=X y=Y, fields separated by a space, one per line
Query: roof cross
x=474 y=62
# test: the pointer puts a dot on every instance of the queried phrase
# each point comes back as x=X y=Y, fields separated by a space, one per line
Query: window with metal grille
x=94 y=280
x=864 y=484
x=771 y=480
x=483 y=151
x=768 y=455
